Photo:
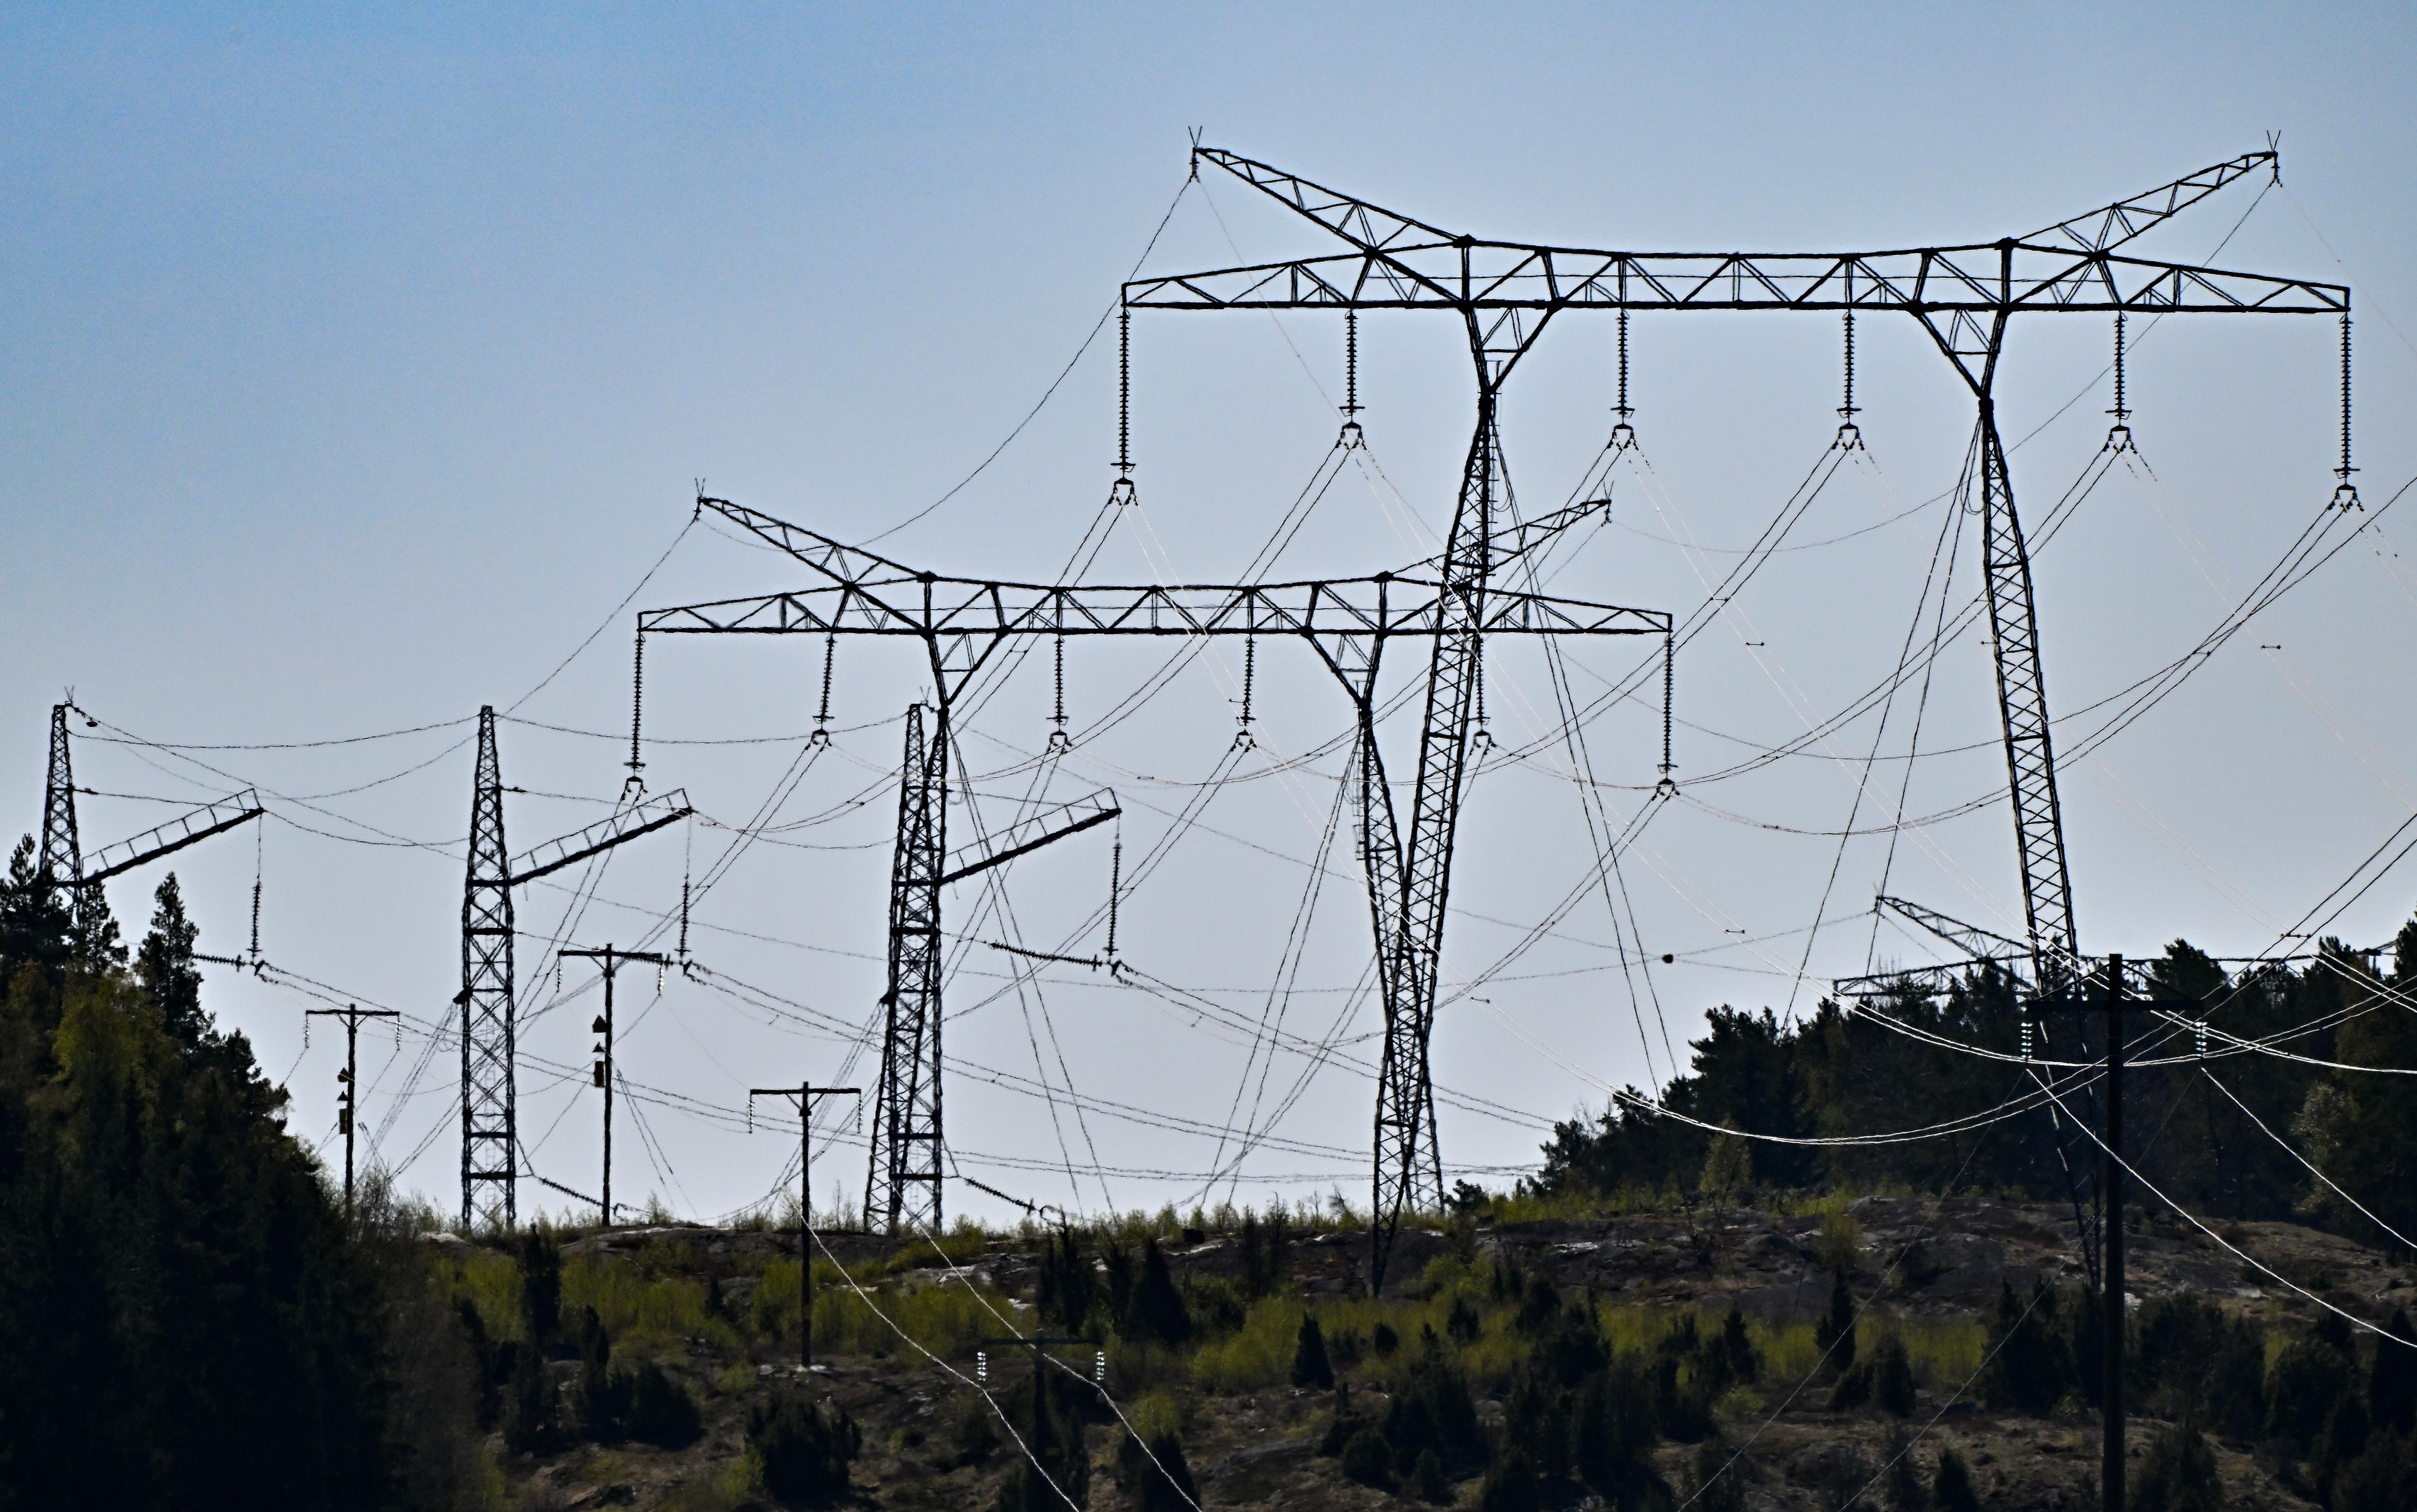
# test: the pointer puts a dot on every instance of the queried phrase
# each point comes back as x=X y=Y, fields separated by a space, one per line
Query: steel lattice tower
x=902 y=1181
x=490 y=1136
x=62 y=863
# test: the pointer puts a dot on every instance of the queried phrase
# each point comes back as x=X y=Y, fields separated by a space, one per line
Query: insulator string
x=1124 y=393
x=1115 y=885
x=2346 y=493
x=1621 y=409
x=1350 y=363
x=1848 y=410
x=637 y=704
x=822 y=715
x=1669 y=663
x=1250 y=676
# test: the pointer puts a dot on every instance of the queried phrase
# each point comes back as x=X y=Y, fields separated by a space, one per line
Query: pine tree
x=1835 y=1333
x=1310 y=1366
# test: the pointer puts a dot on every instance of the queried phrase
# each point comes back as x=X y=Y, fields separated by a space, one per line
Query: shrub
x=1719 y=1480
x=1427 y=1480
x=1951 y=1485
x=804 y=1447
x=1310 y=1366
x=1892 y=1377
x=1835 y=1333
x=2179 y=1473
x=1511 y=1485
x=1155 y=1311
x=2030 y=1368
x=2384 y=1479
x=540 y=1287
x=2391 y=1384
x=531 y=1404
x=2305 y=1383
x=1160 y=1480
x=661 y=1409
x=1366 y=1460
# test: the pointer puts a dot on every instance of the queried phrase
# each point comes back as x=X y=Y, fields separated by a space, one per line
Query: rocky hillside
x=1902 y=1354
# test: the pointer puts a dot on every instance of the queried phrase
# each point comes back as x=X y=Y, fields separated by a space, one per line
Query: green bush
x=805 y=1448
x=2180 y=1474
x=661 y=1409
x=1366 y=1458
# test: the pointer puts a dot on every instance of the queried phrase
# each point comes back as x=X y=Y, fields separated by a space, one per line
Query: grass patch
x=492 y=1281
x=725 y=1489
x=1258 y=1354
x=652 y=1318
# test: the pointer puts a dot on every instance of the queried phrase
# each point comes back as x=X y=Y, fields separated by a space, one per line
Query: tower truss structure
x=487 y=1000
x=1964 y=297
x=961 y=622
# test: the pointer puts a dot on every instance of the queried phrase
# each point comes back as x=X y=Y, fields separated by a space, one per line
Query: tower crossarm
x=1029 y=834
x=1381 y=607
x=174 y=835
x=644 y=817
x=2115 y=224
x=1981 y=278
x=1973 y=941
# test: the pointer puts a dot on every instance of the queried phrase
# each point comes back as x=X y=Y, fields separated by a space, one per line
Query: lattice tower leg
x=1409 y=1164
x=62 y=862
x=903 y=1180
x=490 y=1132
x=2022 y=708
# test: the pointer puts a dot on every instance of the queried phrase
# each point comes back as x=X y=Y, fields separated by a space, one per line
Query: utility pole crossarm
x=640 y=818
x=174 y=835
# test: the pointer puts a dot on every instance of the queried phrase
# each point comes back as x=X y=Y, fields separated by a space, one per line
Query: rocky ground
x=1921 y=1263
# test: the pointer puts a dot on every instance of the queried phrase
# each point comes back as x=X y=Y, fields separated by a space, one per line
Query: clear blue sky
x=358 y=367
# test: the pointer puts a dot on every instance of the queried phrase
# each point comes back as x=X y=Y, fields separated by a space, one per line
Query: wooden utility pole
x=614 y=959
x=805 y=1092
x=347 y=1102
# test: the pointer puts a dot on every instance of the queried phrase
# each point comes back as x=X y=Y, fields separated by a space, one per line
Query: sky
x=361 y=370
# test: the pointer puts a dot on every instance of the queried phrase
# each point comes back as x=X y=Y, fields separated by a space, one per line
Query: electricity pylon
x=490 y=1105
x=963 y=621
x=63 y=862
x=1963 y=297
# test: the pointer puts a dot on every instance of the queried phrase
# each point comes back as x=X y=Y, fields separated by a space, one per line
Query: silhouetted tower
x=62 y=863
x=490 y=1136
x=903 y=1180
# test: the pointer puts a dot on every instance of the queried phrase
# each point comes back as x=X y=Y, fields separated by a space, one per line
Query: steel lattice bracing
x=1408 y=1175
x=1347 y=621
x=489 y=1136
x=903 y=1182
x=2022 y=703
x=1962 y=295
x=62 y=863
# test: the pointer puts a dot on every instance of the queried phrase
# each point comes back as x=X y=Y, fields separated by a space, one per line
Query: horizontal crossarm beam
x=174 y=835
x=639 y=818
x=1985 y=278
x=1381 y=607
x=1027 y=835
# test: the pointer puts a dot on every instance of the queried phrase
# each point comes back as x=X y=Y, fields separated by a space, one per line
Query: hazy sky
x=359 y=368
